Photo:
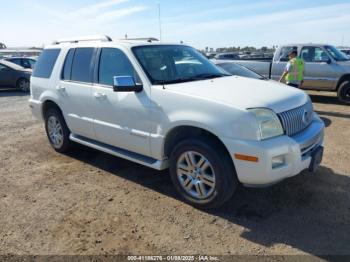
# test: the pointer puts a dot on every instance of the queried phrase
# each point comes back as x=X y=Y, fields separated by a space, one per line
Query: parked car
x=26 y=62
x=14 y=76
x=167 y=106
x=227 y=56
x=326 y=68
x=237 y=70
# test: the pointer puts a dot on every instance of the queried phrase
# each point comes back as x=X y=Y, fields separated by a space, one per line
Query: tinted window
x=32 y=63
x=26 y=63
x=17 y=61
x=81 y=68
x=113 y=62
x=45 y=63
x=67 y=69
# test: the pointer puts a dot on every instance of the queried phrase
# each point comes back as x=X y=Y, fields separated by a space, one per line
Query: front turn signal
x=246 y=158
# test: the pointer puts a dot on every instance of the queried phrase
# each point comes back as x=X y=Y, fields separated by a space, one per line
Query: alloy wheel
x=55 y=131
x=196 y=174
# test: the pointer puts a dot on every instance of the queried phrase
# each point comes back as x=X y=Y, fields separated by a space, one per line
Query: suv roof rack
x=148 y=39
x=101 y=38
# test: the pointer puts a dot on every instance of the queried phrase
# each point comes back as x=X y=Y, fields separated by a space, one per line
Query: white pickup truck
x=326 y=68
x=167 y=106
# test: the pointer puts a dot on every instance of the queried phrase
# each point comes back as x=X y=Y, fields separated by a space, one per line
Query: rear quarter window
x=67 y=68
x=45 y=63
x=284 y=51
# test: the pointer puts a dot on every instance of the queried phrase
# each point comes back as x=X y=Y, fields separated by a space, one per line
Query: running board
x=122 y=153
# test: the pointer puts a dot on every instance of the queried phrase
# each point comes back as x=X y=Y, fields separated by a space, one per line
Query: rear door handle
x=100 y=95
x=60 y=88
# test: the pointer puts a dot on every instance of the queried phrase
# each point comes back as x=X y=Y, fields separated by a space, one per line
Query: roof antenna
x=159 y=22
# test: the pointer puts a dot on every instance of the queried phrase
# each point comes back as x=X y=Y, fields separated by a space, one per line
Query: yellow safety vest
x=296 y=70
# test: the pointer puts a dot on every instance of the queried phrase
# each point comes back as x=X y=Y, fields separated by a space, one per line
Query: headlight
x=268 y=122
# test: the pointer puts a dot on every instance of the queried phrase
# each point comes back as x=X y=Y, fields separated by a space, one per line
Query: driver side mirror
x=126 y=84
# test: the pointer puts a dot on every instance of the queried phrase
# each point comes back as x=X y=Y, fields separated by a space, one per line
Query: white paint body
x=140 y=122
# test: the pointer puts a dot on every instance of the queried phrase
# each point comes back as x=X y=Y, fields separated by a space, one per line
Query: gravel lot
x=88 y=202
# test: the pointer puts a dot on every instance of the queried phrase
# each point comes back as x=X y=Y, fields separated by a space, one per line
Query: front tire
x=203 y=173
x=344 y=92
x=57 y=130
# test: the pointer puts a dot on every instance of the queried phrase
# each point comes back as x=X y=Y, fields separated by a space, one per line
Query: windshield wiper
x=194 y=78
x=174 y=81
x=209 y=76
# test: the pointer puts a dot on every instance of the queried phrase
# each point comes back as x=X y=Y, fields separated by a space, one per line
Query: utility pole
x=160 y=23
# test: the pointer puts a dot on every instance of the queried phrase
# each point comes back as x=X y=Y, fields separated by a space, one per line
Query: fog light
x=278 y=161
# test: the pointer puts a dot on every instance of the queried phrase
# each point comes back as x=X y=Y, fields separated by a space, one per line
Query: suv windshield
x=238 y=70
x=170 y=64
x=336 y=54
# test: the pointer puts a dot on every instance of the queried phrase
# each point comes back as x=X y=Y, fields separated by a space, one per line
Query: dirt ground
x=88 y=202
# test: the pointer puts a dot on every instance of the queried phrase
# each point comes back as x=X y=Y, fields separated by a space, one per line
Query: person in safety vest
x=294 y=71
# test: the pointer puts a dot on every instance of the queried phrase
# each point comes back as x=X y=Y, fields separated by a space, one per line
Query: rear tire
x=203 y=173
x=344 y=92
x=23 y=85
x=57 y=130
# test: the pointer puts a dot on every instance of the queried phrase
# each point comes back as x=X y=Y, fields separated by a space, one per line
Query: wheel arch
x=47 y=104
x=180 y=133
x=342 y=79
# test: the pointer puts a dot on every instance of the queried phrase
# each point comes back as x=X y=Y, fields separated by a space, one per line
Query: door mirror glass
x=125 y=84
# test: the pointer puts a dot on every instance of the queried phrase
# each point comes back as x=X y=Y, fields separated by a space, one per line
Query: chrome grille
x=297 y=119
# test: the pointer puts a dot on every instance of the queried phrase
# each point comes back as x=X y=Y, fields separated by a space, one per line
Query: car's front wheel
x=57 y=130
x=344 y=92
x=203 y=173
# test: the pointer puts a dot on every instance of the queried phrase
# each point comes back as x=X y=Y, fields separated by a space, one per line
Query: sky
x=200 y=23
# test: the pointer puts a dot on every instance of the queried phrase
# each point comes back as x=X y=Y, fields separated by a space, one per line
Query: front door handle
x=60 y=88
x=100 y=95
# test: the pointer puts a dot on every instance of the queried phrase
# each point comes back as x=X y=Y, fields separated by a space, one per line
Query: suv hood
x=243 y=93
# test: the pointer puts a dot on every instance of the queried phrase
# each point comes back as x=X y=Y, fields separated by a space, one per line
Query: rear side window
x=82 y=66
x=67 y=69
x=45 y=63
x=283 y=55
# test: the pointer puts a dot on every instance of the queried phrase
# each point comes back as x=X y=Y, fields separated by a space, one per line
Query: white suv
x=167 y=106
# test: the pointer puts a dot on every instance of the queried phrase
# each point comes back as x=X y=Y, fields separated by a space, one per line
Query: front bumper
x=295 y=150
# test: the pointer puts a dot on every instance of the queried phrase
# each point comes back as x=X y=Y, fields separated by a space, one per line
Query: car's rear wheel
x=57 y=130
x=344 y=92
x=23 y=85
x=203 y=173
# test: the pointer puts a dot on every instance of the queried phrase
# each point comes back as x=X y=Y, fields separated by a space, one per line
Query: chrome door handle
x=60 y=88
x=99 y=95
